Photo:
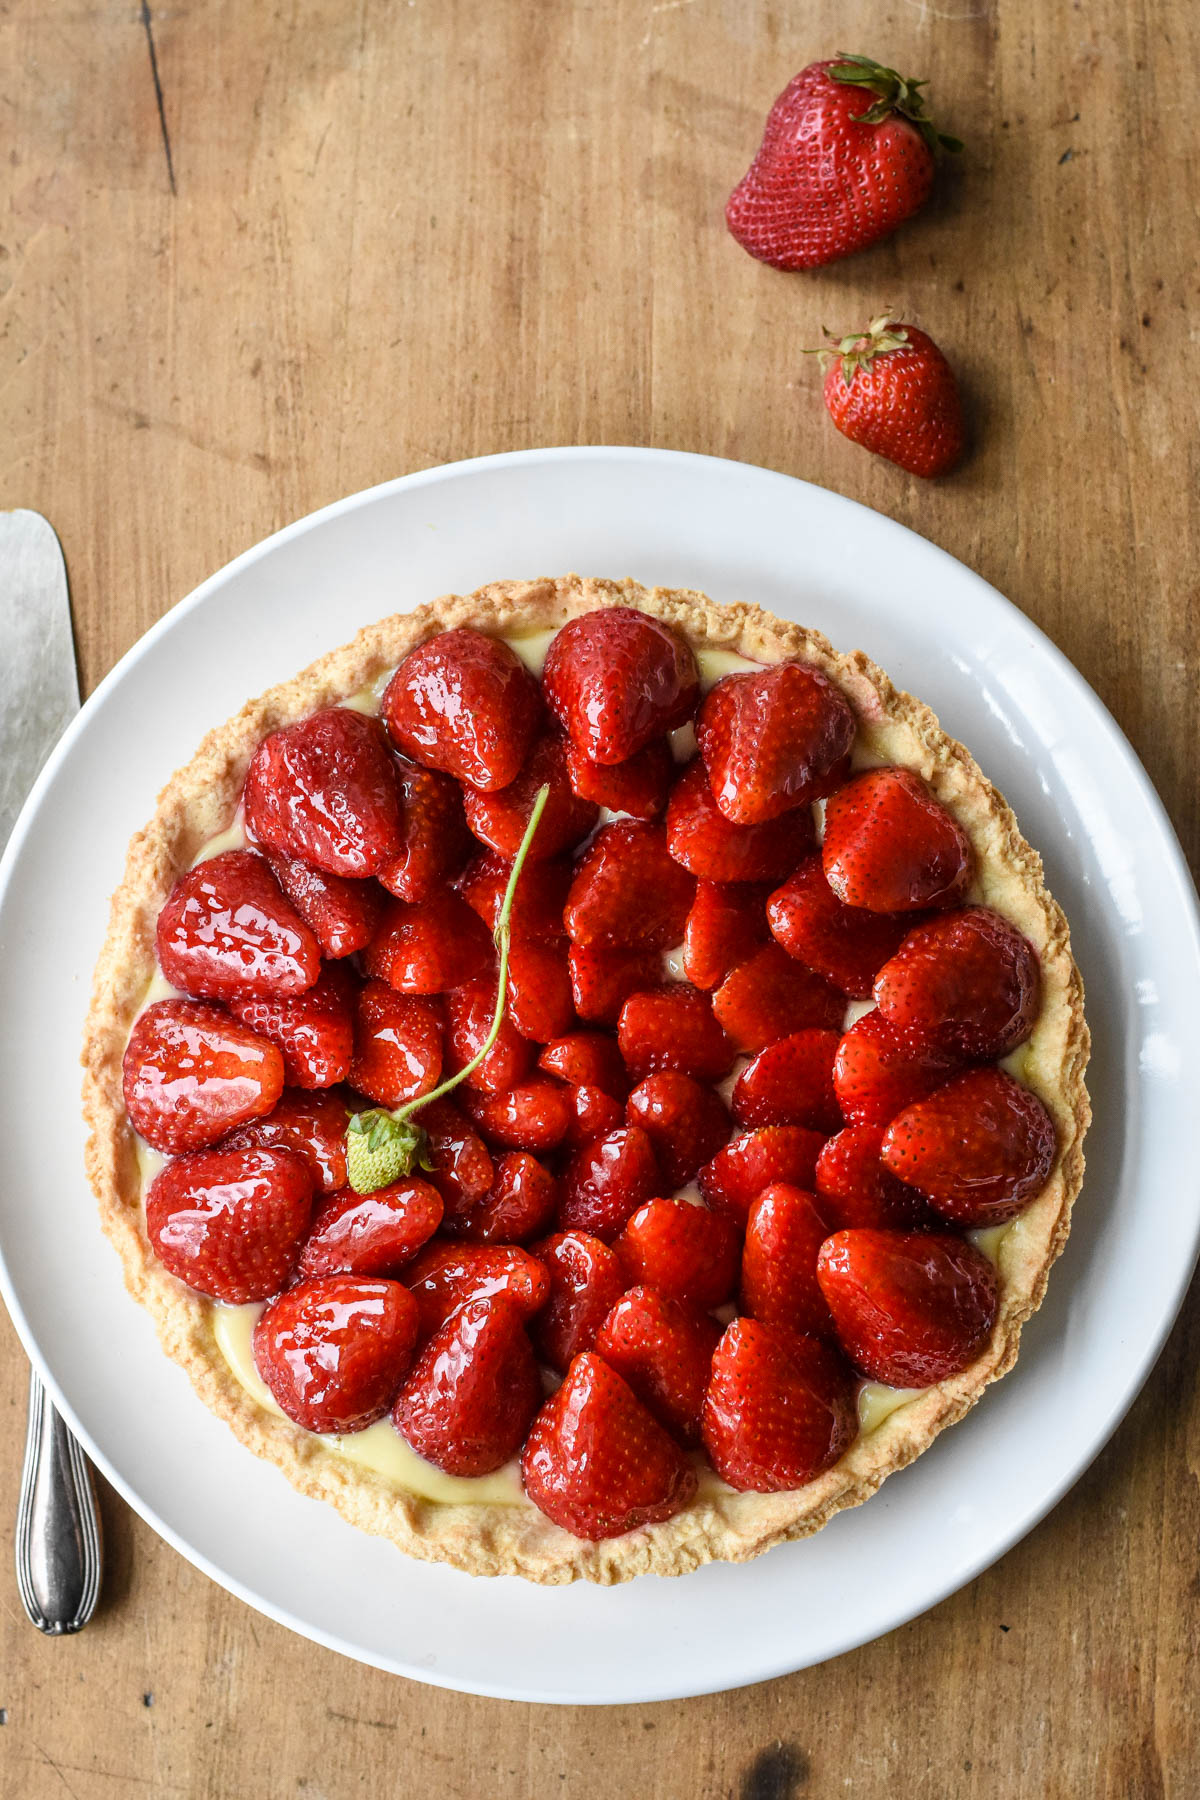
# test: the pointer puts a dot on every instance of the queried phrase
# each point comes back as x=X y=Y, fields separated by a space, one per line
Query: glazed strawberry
x=314 y=1030
x=597 y=1463
x=737 y=1175
x=229 y=1222
x=312 y=1124
x=878 y=1070
x=847 y=155
x=855 y=1189
x=531 y=1115
x=334 y=1351
x=227 y=929
x=969 y=980
x=685 y=1122
x=673 y=1027
x=628 y=893
x=779 y=1408
x=586 y=1281
x=615 y=679
x=371 y=1234
x=470 y=1012
x=341 y=913
x=681 y=1250
x=890 y=389
x=464 y=703
x=978 y=1149
x=538 y=901
x=606 y=1181
x=726 y=924
x=703 y=840
x=784 y=1232
x=664 y=1351
x=890 y=846
x=846 y=944
x=324 y=790
x=445 y=1277
x=586 y=1059
x=434 y=840
x=397 y=1045
x=520 y=1203
x=431 y=947
x=769 y=996
x=639 y=786
x=499 y=818
x=771 y=741
x=191 y=1073
x=790 y=1082
x=910 y=1307
x=472 y=1392
x=593 y=1112
x=602 y=980
x=541 y=1003
x=463 y=1170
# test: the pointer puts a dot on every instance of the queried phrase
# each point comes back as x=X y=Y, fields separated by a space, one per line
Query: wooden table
x=253 y=258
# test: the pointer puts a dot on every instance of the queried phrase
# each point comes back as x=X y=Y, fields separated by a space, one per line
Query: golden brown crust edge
x=199 y=801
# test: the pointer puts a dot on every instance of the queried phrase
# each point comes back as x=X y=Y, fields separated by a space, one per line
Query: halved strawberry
x=664 y=1351
x=639 y=786
x=229 y=1223
x=314 y=1030
x=628 y=892
x=790 y=1082
x=227 y=929
x=673 y=1027
x=434 y=840
x=978 y=1149
x=470 y=1012
x=597 y=1462
x=771 y=739
x=779 y=1408
x=468 y=1400
x=397 y=1045
x=736 y=1176
x=684 y=1251
x=846 y=944
x=586 y=1059
x=784 y=1233
x=602 y=980
x=878 y=1070
x=593 y=1112
x=769 y=996
x=891 y=847
x=538 y=900
x=855 y=1188
x=334 y=1351
x=586 y=1281
x=312 y=1123
x=500 y=818
x=447 y=1276
x=615 y=679
x=968 y=980
x=541 y=1005
x=606 y=1181
x=910 y=1307
x=463 y=1170
x=531 y=1115
x=520 y=1203
x=685 y=1122
x=431 y=947
x=324 y=790
x=191 y=1073
x=371 y=1234
x=726 y=924
x=464 y=703
x=340 y=912
x=701 y=838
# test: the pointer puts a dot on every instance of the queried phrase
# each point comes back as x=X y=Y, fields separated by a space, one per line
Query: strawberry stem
x=893 y=93
x=860 y=348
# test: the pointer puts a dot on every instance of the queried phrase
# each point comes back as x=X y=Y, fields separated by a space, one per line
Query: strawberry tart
x=586 y=1079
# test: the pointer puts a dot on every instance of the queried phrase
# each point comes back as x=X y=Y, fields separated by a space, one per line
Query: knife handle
x=58 y=1527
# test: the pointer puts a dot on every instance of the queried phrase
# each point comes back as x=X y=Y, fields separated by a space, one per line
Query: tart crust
x=490 y=1539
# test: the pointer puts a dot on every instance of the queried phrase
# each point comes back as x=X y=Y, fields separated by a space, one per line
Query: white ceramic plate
x=739 y=533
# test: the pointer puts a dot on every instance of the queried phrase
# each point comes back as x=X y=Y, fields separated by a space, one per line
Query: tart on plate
x=587 y=1080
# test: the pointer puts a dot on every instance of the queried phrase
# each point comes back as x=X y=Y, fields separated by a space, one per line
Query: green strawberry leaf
x=894 y=93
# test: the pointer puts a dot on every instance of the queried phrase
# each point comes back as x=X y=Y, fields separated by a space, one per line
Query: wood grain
x=388 y=235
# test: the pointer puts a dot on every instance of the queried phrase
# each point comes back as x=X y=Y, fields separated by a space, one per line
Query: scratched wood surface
x=255 y=257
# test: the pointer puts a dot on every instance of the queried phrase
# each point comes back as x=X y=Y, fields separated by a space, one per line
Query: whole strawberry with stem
x=847 y=155
x=890 y=389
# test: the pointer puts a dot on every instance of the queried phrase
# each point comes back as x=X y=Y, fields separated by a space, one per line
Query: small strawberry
x=890 y=846
x=593 y=1113
x=229 y=1223
x=324 y=790
x=664 y=1351
x=673 y=1027
x=464 y=703
x=878 y=1070
x=726 y=924
x=978 y=1149
x=639 y=786
x=790 y=1082
x=784 y=1232
x=191 y=1073
x=313 y=1124
x=602 y=980
x=470 y=1014
x=606 y=1181
x=520 y=1203
x=586 y=1059
x=538 y=903
x=541 y=1004
x=615 y=679
x=226 y=929
x=434 y=840
x=771 y=742
x=469 y=1398
x=586 y=1281
x=499 y=818
x=910 y=1307
x=685 y=1122
x=769 y=996
x=779 y=1408
x=855 y=1189
x=890 y=389
x=431 y=947
x=445 y=1277
x=737 y=1175
x=341 y=913
x=968 y=980
x=371 y=1234
x=704 y=841
x=462 y=1169
x=846 y=156
x=846 y=944
x=531 y=1115
x=681 y=1250
x=397 y=1045
x=597 y=1463
x=334 y=1351
x=314 y=1030
x=628 y=892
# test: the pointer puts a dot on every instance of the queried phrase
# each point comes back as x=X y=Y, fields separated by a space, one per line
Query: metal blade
x=39 y=688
